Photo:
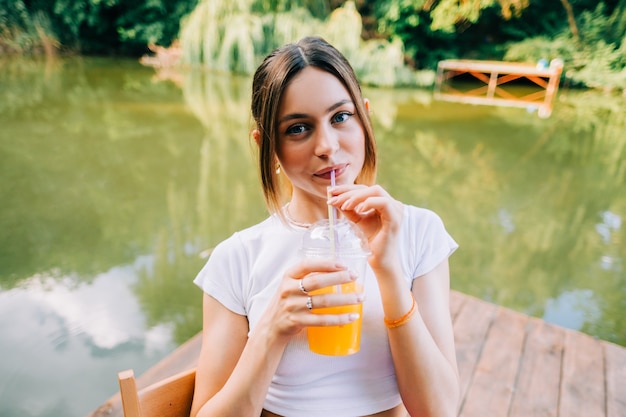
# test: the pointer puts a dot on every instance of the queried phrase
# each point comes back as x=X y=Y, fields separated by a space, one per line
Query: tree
x=91 y=26
x=571 y=20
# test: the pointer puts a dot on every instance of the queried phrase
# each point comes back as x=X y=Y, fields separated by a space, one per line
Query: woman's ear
x=366 y=101
x=257 y=136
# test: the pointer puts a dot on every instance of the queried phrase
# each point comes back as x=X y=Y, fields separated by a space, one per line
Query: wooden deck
x=492 y=77
x=510 y=365
x=516 y=366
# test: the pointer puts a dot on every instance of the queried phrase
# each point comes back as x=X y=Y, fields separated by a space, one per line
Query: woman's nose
x=326 y=142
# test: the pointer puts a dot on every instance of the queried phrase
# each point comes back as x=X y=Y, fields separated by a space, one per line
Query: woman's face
x=318 y=131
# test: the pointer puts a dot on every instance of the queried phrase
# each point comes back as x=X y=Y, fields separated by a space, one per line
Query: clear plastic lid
x=344 y=238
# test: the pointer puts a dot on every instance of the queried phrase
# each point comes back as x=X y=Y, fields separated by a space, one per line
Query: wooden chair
x=170 y=397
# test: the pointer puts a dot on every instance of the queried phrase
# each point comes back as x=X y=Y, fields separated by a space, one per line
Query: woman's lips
x=325 y=173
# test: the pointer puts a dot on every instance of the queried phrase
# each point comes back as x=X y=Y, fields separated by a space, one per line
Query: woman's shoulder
x=423 y=225
x=260 y=233
x=239 y=249
x=426 y=241
x=269 y=225
x=421 y=216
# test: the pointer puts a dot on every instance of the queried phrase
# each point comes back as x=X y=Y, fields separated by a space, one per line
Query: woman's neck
x=306 y=211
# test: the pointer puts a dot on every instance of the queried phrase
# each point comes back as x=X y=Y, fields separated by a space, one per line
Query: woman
x=310 y=120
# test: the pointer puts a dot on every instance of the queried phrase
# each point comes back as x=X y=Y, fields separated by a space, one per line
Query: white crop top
x=243 y=274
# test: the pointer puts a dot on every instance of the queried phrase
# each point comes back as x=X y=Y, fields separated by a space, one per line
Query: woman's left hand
x=377 y=213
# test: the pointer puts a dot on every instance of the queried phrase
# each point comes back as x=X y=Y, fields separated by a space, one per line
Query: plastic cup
x=343 y=241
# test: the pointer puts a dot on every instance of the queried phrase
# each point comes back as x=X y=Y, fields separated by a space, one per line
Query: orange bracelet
x=402 y=320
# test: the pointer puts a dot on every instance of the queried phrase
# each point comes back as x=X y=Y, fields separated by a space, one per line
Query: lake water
x=115 y=182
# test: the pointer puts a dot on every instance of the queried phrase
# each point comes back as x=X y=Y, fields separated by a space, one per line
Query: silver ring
x=302 y=286
x=309 y=303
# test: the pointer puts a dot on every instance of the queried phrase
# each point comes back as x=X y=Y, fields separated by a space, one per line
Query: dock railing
x=493 y=77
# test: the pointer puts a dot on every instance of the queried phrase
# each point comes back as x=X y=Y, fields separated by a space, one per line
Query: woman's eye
x=341 y=117
x=295 y=129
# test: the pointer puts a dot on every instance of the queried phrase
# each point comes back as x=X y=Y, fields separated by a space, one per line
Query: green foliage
x=13 y=13
x=591 y=62
x=448 y=29
x=223 y=35
x=23 y=32
x=233 y=35
x=226 y=36
x=519 y=30
x=447 y=14
x=319 y=9
x=91 y=26
x=617 y=23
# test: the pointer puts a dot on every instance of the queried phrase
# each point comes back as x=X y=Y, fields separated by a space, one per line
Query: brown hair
x=270 y=81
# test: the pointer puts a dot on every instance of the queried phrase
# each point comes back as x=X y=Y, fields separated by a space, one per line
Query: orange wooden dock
x=493 y=76
x=510 y=365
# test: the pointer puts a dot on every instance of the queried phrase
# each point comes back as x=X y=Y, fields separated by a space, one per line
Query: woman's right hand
x=289 y=310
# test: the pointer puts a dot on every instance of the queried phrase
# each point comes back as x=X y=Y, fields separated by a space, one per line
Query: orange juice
x=336 y=340
x=345 y=242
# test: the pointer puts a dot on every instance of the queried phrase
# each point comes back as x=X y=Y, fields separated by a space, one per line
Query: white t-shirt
x=243 y=273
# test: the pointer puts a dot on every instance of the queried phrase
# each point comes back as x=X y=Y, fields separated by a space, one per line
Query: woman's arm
x=233 y=372
x=423 y=348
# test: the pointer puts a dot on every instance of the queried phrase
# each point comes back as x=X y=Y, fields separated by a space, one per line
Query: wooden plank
x=615 y=363
x=501 y=67
x=494 y=382
x=470 y=330
x=127 y=384
x=539 y=377
x=493 y=82
x=169 y=397
x=582 y=384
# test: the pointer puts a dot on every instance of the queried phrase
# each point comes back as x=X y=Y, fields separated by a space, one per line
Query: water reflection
x=611 y=223
x=113 y=184
x=57 y=329
x=572 y=308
